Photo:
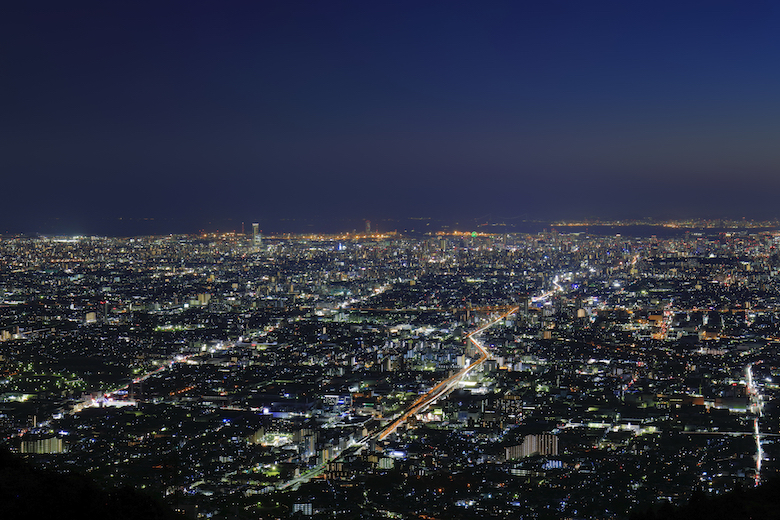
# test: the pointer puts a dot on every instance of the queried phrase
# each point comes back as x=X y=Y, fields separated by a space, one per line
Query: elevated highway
x=442 y=389
x=446 y=386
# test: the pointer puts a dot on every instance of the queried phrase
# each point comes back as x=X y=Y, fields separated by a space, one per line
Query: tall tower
x=257 y=237
x=368 y=227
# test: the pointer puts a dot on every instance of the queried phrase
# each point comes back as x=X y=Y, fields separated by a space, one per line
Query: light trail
x=549 y=293
x=447 y=385
x=756 y=406
x=441 y=389
x=421 y=403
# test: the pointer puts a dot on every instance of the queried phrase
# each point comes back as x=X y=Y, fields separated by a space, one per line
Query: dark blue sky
x=198 y=112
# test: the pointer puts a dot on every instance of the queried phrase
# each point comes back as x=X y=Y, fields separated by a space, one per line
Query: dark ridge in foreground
x=762 y=502
x=26 y=492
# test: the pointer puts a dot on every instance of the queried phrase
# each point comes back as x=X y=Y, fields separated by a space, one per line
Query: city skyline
x=202 y=116
x=439 y=259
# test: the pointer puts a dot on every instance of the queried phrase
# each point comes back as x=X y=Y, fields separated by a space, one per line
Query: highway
x=440 y=390
x=446 y=386
x=756 y=407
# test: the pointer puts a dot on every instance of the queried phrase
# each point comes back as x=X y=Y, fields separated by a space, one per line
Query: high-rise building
x=41 y=444
x=539 y=444
x=257 y=237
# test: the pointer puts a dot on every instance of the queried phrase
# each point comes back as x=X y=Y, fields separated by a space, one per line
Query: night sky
x=206 y=114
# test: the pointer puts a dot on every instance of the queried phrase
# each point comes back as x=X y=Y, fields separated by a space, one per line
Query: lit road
x=557 y=288
x=440 y=390
x=757 y=407
x=446 y=386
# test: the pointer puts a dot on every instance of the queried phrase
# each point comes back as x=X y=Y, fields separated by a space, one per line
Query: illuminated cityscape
x=546 y=375
x=424 y=260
